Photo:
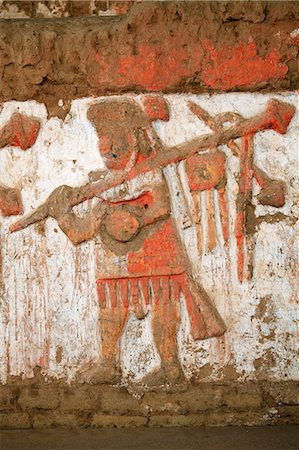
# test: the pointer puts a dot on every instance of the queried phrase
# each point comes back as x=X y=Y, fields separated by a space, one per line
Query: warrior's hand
x=59 y=202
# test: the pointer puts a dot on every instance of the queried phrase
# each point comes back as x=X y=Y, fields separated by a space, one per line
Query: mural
x=146 y=206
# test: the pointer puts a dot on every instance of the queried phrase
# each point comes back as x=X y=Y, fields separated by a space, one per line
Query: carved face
x=118 y=149
x=116 y=122
x=121 y=126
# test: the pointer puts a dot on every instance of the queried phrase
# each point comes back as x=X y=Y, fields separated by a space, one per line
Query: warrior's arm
x=77 y=229
x=80 y=229
x=154 y=206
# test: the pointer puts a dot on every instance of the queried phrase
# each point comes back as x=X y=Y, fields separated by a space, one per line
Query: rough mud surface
x=38 y=404
x=154 y=47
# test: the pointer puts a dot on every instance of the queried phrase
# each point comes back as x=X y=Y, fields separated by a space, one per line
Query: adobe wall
x=159 y=288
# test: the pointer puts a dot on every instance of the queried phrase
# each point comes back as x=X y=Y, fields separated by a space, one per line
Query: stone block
x=80 y=8
x=236 y=418
x=56 y=419
x=7 y=398
x=80 y=398
x=161 y=402
x=14 y=421
x=289 y=414
x=242 y=396
x=119 y=401
x=286 y=393
x=42 y=398
x=194 y=399
x=16 y=9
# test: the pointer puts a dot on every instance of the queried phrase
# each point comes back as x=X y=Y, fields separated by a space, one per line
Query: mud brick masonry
x=148 y=212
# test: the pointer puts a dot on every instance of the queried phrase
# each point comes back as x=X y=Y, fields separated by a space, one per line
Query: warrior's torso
x=155 y=248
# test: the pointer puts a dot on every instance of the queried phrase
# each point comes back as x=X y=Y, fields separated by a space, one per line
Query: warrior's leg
x=165 y=324
x=112 y=322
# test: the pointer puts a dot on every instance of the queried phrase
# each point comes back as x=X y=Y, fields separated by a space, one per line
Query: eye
x=114 y=155
x=145 y=206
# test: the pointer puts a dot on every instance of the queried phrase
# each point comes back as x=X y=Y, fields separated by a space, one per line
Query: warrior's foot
x=155 y=378
x=174 y=374
x=104 y=372
x=171 y=374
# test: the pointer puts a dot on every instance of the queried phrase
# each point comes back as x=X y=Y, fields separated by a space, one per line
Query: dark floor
x=230 y=438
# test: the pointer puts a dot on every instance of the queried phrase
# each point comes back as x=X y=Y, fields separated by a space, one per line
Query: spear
x=243 y=199
x=276 y=116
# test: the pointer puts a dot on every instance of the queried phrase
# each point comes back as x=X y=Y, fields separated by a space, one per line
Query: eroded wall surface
x=168 y=296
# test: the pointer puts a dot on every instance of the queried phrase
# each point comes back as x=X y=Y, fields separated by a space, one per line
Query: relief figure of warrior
x=141 y=262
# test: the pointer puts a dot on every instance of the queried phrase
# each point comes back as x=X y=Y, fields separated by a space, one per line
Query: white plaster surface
x=49 y=301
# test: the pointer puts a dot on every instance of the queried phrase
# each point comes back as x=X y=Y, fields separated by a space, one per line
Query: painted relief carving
x=207 y=172
x=146 y=266
x=20 y=131
x=10 y=201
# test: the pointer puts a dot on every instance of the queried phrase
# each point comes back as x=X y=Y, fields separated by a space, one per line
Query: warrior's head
x=125 y=129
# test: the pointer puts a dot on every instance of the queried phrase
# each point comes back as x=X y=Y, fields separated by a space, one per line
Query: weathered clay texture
x=50 y=310
x=239 y=47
